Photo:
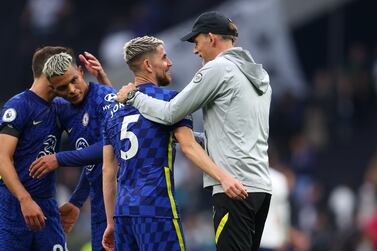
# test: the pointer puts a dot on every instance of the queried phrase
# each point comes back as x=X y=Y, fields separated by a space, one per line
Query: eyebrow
x=65 y=85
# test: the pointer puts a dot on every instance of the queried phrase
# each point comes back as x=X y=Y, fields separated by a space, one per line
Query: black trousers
x=239 y=223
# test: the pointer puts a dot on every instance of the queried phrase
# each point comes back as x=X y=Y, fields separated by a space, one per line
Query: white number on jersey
x=124 y=134
x=57 y=247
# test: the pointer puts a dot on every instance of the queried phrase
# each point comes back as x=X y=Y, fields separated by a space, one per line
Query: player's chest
x=41 y=125
x=44 y=121
x=83 y=124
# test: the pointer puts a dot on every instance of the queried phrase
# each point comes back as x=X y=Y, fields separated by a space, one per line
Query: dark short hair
x=41 y=55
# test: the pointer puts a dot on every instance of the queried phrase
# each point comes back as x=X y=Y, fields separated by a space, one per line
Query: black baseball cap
x=211 y=22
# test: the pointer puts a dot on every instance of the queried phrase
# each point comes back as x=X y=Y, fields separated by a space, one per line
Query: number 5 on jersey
x=124 y=134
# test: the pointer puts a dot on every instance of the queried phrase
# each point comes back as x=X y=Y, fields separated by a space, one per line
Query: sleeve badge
x=9 y=115
x=198 y=77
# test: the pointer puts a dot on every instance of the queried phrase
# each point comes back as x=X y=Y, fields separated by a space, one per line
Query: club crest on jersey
x=85 y=119
x=198 y=77
x=49 y=145
x=81 y=143
x=110 y=97
x=9 y=115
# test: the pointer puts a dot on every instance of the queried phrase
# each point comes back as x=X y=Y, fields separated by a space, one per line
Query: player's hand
x=69 y=214
x=33 y=215
x=108 y=238
x=91 y=63
x=233 y=188
x=43 y=165
x=122 y=93
x=93 y=66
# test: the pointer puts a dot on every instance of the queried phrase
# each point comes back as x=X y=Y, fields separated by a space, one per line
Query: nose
x=170 y=63
x=195 y=50
x=71 y=89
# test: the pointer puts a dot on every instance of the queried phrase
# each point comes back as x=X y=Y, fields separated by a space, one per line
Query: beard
x=163 y=80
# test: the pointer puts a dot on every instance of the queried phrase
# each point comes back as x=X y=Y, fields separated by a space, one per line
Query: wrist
x=57 y=157
x=75 y=203
x=131 y=96
x=24 y=197
x=102 y=74
x=221 y=176
x=110 y=224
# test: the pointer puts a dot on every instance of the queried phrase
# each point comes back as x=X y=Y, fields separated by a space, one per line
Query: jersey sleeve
x=202 y=89
x=14 y=115
x=86 y=156
x=105 y=99
x=105 y=134
x=81 y=192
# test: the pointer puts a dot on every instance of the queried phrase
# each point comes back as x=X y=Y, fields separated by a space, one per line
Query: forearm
x=194 y=152
x=87 y=156
x=198 y=93
x=199 y=157
x=103 y=79
x=81 y=192
x=9 y=176
x=109 y=192
x=109 y=170
x=169 y=113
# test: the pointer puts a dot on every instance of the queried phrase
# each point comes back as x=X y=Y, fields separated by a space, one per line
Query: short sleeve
x=14 y=114
x=105 y=134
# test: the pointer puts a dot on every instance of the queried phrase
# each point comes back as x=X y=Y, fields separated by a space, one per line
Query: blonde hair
x=57 y=65
x=137 y=47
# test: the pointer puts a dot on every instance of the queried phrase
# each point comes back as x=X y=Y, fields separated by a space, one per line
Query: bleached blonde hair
x=137 y=47
x=57 y=65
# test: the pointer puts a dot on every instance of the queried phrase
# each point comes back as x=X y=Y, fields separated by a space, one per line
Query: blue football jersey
x=83 y=123
x=145 y=151
x=35 y=119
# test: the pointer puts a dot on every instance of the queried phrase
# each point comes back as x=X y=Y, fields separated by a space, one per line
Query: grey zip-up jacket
x=235 y=95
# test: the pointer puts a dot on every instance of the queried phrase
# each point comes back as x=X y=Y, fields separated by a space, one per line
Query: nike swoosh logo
x=69 y=130
x=37 y=122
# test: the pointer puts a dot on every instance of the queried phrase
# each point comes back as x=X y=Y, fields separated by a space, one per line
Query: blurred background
x=322 y=59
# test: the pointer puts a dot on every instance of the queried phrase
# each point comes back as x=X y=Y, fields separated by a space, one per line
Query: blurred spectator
x=276 y=229
x=44 y=16
x=342 y=202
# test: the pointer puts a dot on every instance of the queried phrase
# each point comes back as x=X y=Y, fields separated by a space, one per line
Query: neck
x=142 y=79
x=42 y=88
x=223 y=47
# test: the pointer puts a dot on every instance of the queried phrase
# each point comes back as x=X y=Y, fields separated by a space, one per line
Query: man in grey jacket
x=235 y=96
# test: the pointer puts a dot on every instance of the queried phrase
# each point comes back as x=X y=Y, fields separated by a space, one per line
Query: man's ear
x=212 y=39
x=50 y=85
x=147 y=65
x=81 y=70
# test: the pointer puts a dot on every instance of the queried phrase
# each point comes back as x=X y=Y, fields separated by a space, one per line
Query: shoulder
x=170 y=94
x=61 y=106
x=102 y=93
x=60 y=101
x=101 y=88
x=214 y=69
x=15 y=105
x=218 y=64
x=159 y=92
x=19 y=98
x=16 y=109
